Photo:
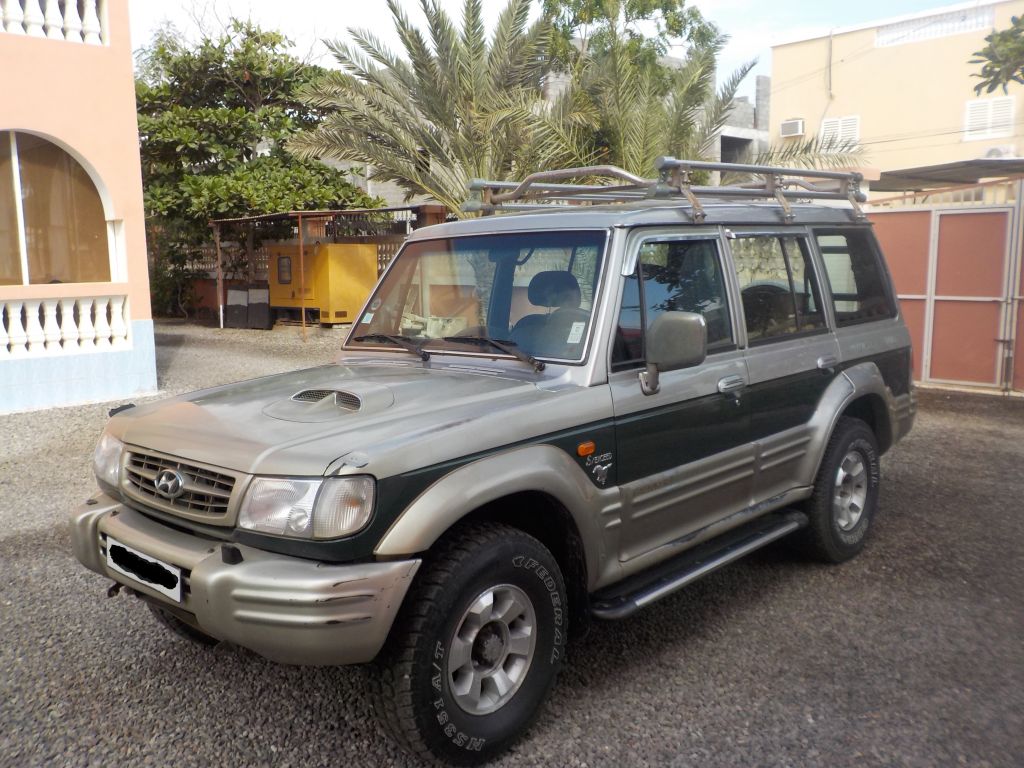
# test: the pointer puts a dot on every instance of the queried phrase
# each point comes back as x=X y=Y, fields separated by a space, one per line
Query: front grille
x=205 y=492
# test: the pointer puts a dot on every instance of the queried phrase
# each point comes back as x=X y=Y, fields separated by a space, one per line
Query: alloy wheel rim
x=851 y=491
x=492 y=649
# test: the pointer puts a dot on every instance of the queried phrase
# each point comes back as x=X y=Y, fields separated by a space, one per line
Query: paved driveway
x=913 y=654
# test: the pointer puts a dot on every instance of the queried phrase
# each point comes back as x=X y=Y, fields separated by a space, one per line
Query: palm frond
x=709 y=125
x=812 y=153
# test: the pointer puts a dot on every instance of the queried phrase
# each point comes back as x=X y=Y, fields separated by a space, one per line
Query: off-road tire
x=180 y=628
x=413 y=695
x=824 y=538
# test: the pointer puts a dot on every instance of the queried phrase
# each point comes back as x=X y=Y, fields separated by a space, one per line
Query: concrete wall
x=911 y=96
x=82 y=98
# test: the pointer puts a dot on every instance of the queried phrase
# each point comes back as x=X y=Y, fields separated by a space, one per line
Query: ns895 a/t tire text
x=476 y=647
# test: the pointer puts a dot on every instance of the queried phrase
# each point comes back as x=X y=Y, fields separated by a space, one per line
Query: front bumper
x=287 y=609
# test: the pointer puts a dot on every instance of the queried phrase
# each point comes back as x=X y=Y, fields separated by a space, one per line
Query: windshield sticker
x=375 y=304
x=575 y=333
x=368 y=317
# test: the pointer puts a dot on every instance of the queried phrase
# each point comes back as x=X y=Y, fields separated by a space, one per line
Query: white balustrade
x=33 y=19
x=14 y=17
x=86 y=330
x=35 y=327
x=72 y=23
x=5 y=339
x=102 y=324
x=68 y=326
x=51 y=330
x=91 y=24
x=55 y=20
x=16 y=328
x=118 y=326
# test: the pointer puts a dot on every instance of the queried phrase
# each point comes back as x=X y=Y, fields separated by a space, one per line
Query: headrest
x=554 y=289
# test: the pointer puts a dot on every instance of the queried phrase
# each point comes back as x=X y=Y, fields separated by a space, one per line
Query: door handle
x=731 y=384
x=827 y=362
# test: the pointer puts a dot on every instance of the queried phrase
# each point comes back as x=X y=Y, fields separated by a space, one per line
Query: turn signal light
x=585 y=449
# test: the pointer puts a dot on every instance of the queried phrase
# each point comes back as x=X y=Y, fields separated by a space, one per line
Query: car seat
x=555 y=333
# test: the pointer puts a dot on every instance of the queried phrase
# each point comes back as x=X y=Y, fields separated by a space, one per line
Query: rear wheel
x=476 y=647
x=845 y=493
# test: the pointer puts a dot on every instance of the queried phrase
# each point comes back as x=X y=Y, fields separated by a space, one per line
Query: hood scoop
x=326 y=404
x=342 y=399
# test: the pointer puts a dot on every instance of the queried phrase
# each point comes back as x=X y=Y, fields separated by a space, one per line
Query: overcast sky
x=753 y=25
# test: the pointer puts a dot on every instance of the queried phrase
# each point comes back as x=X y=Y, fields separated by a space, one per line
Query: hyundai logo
x=169 y=484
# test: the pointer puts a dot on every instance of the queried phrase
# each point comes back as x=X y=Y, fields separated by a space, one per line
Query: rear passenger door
x=683 y=454
x=792 y=356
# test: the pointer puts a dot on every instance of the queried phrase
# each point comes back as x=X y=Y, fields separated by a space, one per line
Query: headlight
x=106 y=462
x=307 y=508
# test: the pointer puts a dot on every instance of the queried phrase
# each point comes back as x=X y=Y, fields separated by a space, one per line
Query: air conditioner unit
x=792 y=128
x=1007 y=150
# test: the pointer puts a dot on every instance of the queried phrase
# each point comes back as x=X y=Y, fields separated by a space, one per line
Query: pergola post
x=302 y=279
x=220 y=274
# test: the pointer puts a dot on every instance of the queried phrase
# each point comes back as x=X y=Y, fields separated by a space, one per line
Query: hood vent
x=345 y=400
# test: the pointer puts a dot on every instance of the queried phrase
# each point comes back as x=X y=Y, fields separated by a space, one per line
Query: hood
x=301 y=422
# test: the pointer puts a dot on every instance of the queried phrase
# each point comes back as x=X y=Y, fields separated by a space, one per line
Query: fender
x=537 y=468
x=853 y=383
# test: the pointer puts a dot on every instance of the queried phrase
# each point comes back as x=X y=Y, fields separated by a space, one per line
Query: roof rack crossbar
x=675 y=181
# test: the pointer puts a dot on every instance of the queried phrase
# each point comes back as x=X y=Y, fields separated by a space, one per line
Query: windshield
x=533 y=289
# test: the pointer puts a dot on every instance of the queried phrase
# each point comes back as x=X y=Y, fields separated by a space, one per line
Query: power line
x=856 y=54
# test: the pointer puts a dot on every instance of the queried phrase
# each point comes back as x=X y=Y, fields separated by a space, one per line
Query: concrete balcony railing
x=76 y=21
x=54 y=326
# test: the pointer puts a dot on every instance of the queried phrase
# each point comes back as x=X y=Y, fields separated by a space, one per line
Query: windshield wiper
x=505 y=345
x=402 y=341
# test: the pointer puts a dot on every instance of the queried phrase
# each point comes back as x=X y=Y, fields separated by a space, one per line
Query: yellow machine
x=338 y=278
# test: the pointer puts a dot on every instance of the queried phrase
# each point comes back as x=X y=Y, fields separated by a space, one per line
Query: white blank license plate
x=138 y=566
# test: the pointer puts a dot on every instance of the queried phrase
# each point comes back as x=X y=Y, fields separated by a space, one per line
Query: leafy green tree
x=597 y=26
x=213 y=121
x=427 y=120
x=1002 y=59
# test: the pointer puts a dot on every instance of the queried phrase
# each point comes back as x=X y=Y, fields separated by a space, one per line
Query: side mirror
x=675 y=340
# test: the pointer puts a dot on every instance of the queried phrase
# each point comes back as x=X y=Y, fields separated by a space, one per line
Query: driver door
x=684 y=454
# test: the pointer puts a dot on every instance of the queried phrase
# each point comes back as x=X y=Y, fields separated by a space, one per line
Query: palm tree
x=426 y=121
x=460 y=106
x=620 y=111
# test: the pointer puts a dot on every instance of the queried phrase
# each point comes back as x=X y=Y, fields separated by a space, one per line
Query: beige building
x=901 y=88
x=75 y=323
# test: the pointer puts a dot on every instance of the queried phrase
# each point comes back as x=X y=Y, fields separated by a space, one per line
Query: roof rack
x=675 y=181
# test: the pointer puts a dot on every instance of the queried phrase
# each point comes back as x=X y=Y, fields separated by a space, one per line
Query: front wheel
x=476 y=647
x=845 y=493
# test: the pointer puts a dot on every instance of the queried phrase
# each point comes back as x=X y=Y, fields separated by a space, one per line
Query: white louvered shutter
x=989 y=118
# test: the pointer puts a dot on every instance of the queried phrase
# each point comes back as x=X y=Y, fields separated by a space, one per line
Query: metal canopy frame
x=780 y=184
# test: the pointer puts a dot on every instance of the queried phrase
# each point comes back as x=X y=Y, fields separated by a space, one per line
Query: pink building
x=75 y=322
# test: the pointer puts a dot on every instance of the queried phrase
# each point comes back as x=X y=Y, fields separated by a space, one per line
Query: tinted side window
x=856 y=276
x=777 y=283
x=672 y=276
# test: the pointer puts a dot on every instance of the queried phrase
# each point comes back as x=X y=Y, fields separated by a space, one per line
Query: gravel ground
x=909 y=655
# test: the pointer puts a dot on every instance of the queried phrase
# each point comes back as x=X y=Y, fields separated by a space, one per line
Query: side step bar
x=624 y=599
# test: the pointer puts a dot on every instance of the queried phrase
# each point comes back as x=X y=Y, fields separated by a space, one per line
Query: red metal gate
x=957 y=274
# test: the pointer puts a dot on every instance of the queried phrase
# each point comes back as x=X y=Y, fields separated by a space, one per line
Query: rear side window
x=672 y=276
x=853 y=265
x=778 y=287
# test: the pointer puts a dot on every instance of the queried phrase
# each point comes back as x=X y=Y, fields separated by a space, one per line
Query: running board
x=632 y=594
